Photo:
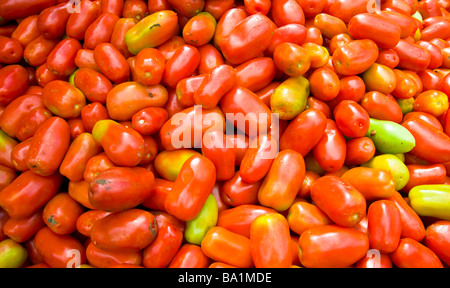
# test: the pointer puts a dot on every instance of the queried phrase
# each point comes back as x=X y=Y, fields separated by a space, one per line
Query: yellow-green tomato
x=390 y=137
x=168 y=163
x=431 y=200
x=407 y=105
x=12 y=254
x=392 y=164
x=197 y=228
x=290 y=97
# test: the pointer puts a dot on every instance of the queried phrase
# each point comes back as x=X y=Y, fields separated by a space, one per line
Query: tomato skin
x=413 y=254
x=366 y=51
x=63 y=99
x=98 y=86
x=255 y=74
x=85 y=59
x=111 y=63
x=437 y=239
x=189 y=256
x=291 y=58
x=101 y=258
x=227 y=22
x=331 y=149
x=346 y=208
x=270 y=241
x=96 y=164
x=11 y=51
x=385 y=33
x=210 y=58
x=431 y=144
x=199 y=30
x=56 y=249
x=381 y=182
x=100 y=30
x=190 y=191
x=329 y=25
x=128 y=98
x=283 y=180
x=219 y=244
x=214 y=86
x=31 y=121
x=293 y=33
x=149 y=66
x=168 y=240
x=237 y=47
x=23 y=229
x=107 y=232
x=106 y=190
x=412 y=225
x=52 y=21
x=12 y=9
x=4 y=217
x=382 y=107
x=26 y=31
x=243 y=100
x=217 y=147
x=149 y=120
x=13 y=82
x=434 y=102
x=118 y=35
x=345 y=9
x=186 y=88
x=61 y=60
x=351 y=119
x=324 y=77
x=82 y=148
x=182 y=64
x=37 y=51
x=136 y=9
x=87 y=219
x=19 y=156
x=218 y=7
x=316 y=251
x=42 y=158
x=163 y=24
x=61 y=213
x=303 y=216
x=15 y=111
x=412 y=56
x=257 y=6
x=257 y=159
x=430 y=79
x=235 y=191
x=78 y=22
x=7 y=175
x=424 y=174
x=286 y=12
x=384 y=226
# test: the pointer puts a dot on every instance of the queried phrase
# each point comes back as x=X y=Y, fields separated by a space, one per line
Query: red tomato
x=316 y=251
x=346 y=208
x=210 y=58
x=437 y=239
x=355 y=57
x=330 y=150
x=78 y=22
x=111 y=62
x=218 y=148
x=13 y=82
x=61 y=213
x=413 y=254
x=287 y=12
x=351 y=119
x=182 y=64
x=384 y=226
x=325 y=84
x=149 y=66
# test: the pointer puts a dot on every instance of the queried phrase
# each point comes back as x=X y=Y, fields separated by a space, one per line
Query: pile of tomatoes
x=116 y=150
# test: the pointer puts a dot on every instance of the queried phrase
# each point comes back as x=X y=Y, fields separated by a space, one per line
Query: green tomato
x=197 y=228
x=390 y=137
x=392 y=164
x=407 y=105
x=12 y=254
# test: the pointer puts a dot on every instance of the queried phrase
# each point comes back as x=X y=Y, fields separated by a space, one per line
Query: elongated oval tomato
x=437 y=239
x=126 y=231
x=23 y=229
x=189 y=256
x=13 y=83
x=218 y=148
x=304 y=131
x=248 y=39
x=346 y=207
x=63 y=99
x=191 y=188
x=331 y=149
x=316 y=251
x=57 y=250
x=413 y=254
x=351 y=119
x=270 y=241
x=102 y=258
x=303 y=216
x=225 y=246
x=78 y=22
x=120 y=188
x=373 y=183
x=382 y=107
x=283 y=180
x=111 y=62
x=287 y=12
x=355 y=57
x=412 y=56
x=384 y=226
x=61 y=212
x=86 y=221
x=236 y=191
x=42 y=158
x=375 y=27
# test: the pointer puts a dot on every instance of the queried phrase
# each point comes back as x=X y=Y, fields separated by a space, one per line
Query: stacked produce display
x=223 y=133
